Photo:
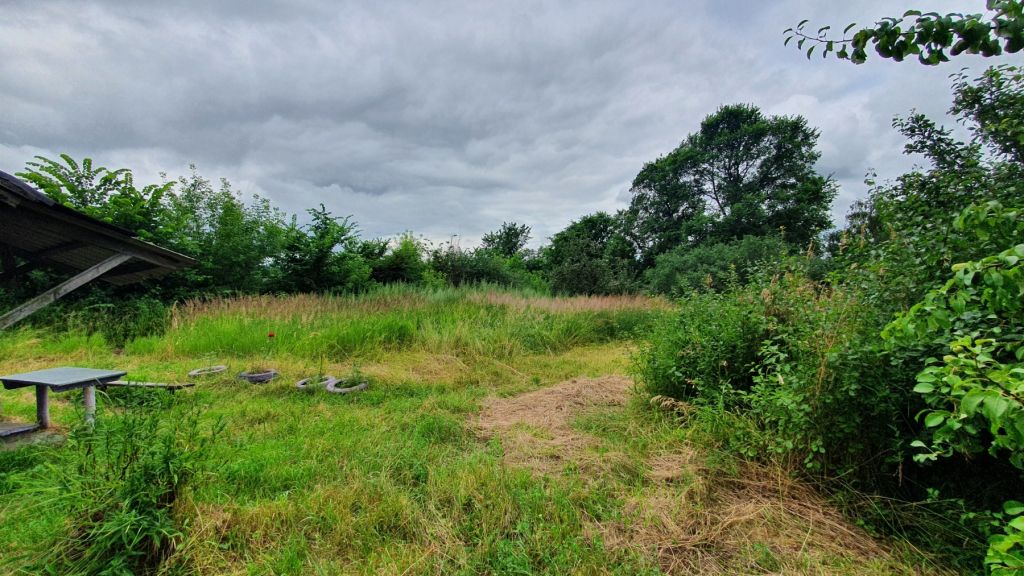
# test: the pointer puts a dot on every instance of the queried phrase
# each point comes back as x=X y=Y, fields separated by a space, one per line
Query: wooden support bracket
x=62 y=289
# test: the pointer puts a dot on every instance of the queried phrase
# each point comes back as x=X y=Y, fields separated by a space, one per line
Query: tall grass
x=451 y=320
x=116 y=485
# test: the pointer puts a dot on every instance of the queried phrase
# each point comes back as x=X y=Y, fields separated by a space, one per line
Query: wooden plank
x=8 y=429
x=7 y=262
x=123 y=384
x=27 y=256
x=77 y=226
x=55 y=250
x=61 y=290
x=9 y=199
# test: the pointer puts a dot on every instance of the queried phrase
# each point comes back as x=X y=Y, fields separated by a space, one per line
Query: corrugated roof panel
x=34 y=225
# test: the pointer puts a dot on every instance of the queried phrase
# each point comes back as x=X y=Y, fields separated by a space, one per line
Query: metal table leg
x=43 y=406
x=89 y=395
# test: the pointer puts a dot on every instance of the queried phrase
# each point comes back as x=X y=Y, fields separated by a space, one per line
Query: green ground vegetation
x=235 y=478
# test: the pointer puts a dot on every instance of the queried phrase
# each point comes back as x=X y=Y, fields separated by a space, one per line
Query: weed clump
x=117 y=484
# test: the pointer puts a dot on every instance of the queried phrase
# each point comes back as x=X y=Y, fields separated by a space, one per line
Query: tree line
x=741 y=189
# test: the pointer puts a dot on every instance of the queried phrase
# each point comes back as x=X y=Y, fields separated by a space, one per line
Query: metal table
x=59 y=380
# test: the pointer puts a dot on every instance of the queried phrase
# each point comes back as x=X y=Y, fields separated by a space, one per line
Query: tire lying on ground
x=199 y=372
x=258 y=377
x=333 y=388
x=323 y=381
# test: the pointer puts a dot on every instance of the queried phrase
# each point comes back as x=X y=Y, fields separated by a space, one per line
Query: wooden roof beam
x=61 y=290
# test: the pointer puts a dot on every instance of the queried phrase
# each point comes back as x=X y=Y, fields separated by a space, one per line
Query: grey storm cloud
x=445 y=118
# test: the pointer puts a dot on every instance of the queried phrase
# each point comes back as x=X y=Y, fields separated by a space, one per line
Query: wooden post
x=43 y=406
x=62 y=289
x=89 y=395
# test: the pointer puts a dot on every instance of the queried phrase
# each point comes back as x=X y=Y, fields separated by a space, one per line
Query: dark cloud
x=442 y=117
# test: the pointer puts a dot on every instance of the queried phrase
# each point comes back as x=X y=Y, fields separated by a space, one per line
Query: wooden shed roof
x=37 y=228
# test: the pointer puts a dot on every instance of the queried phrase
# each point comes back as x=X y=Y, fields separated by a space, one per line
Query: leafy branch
x=931 y=36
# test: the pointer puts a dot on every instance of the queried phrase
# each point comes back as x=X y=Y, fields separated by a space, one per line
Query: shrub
x=118 y=321
x=118 y=484
x=712 y=266
x=707 y=351
x=591 y=256
x=483 y=266
x=795 y=356
x=827 y=398
x=404 y=263
x=975 y=393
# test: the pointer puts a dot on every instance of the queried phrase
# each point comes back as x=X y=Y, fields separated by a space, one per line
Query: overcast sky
x=439 y=117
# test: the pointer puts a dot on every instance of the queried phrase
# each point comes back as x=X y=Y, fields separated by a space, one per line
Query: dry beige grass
x=694 y=520
x=306 y=307
x=573 y=303
x=536 y=428
x=755 y=522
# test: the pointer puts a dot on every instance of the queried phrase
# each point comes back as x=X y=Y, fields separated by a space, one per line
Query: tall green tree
x=591 y=256
x=508 y=241
x=321 y=256
x=993 y=106
x=742 y=174
x=233 y=241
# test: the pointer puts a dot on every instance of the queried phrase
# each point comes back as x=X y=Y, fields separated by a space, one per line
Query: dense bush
x=975 y=392
x=404 y=262
x=591 y=256
x=706 y=352
x=321 y=257
x=792 y=354
x=713 y=266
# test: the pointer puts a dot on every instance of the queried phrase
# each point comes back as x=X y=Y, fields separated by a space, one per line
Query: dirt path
x=692 y=519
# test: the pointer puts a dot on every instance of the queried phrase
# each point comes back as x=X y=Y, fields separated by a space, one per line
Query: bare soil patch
x=536 y=427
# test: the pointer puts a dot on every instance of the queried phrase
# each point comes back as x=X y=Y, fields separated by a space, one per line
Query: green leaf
x=970 y=402
x=1013 y=508
x=994 y=408
x=924 y=388
x=934 y=419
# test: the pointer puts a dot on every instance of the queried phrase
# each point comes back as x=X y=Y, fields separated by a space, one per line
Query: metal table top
x=59 y=379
